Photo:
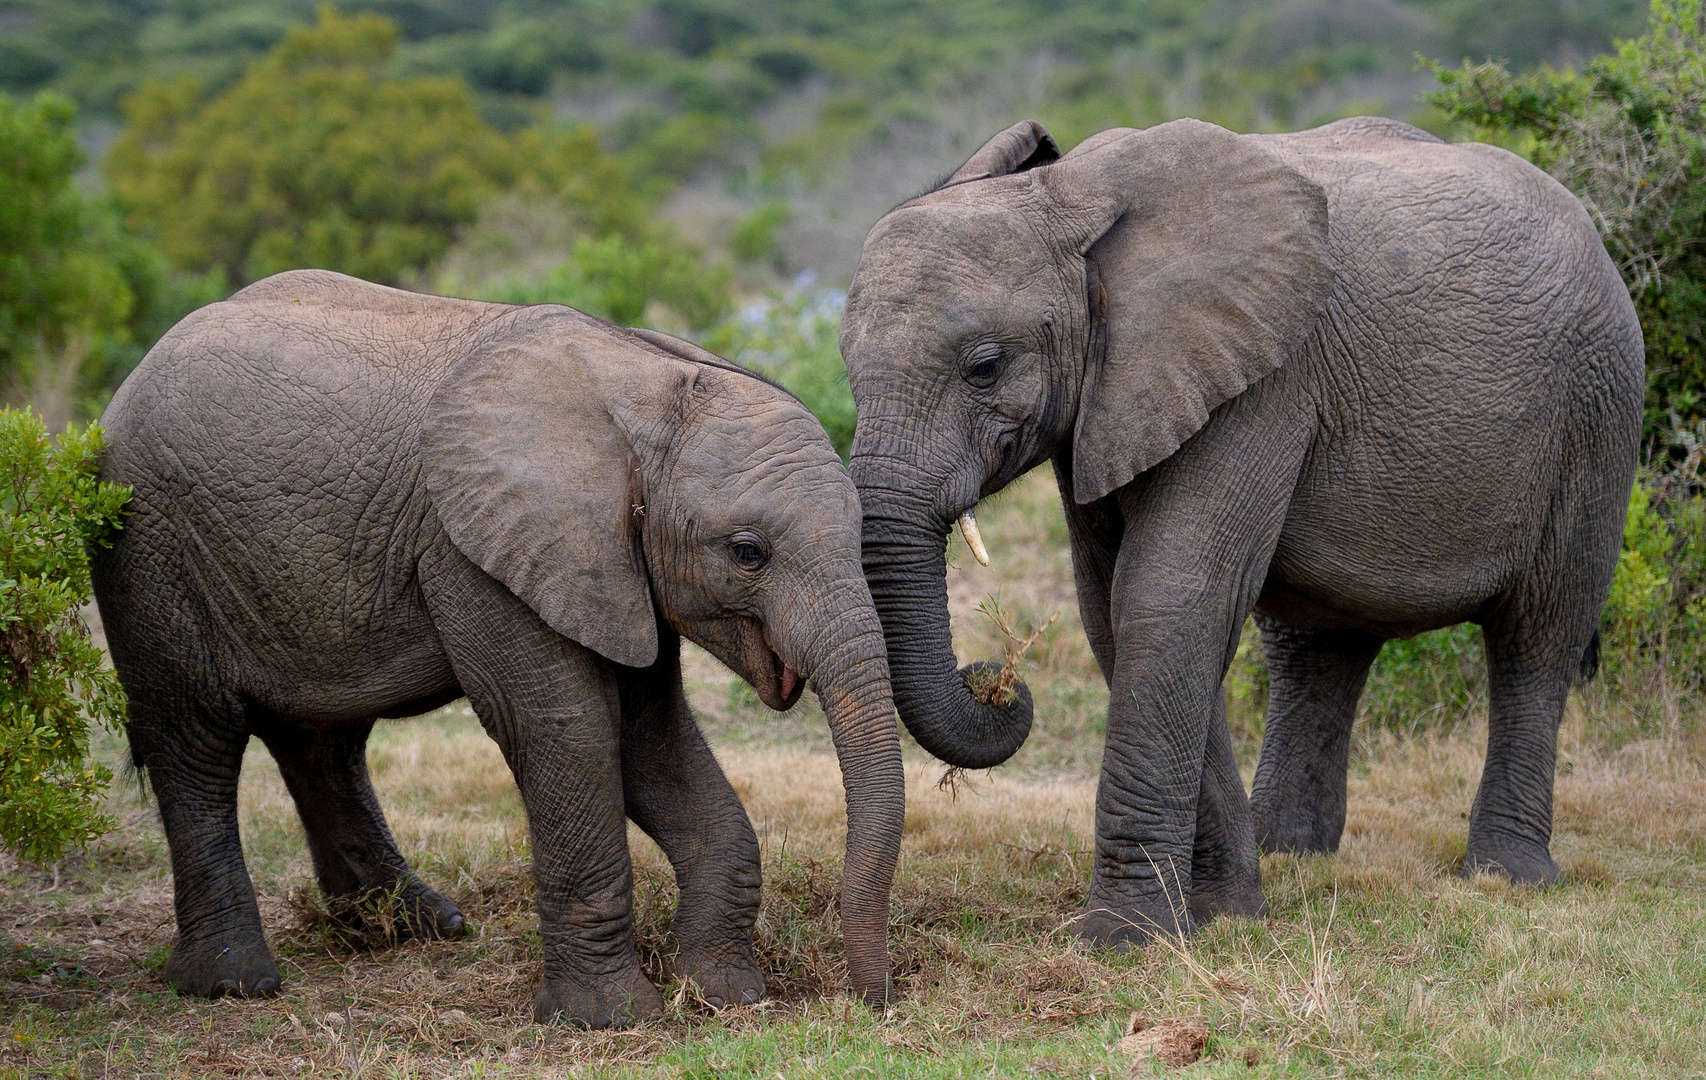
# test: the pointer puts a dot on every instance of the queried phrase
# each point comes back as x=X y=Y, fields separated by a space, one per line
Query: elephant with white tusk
x=1354 y=380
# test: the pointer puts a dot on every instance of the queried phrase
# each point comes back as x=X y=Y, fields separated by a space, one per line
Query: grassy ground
x=1378 y=962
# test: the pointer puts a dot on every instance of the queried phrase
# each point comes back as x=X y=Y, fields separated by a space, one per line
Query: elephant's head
x=612 y=478
x=1090 y=308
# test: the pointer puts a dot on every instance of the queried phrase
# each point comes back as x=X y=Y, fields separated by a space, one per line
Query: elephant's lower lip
x=788 y=681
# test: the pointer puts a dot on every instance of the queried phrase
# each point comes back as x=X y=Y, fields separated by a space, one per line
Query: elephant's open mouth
x=789 y=685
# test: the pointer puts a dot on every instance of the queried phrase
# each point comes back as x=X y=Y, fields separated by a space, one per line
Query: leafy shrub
x=755 y=238
x=1655 y=617
x=314 y=158
x=617 y=280
x=1627 y=134
x=78 y=298
x=794 y=338
x=52 y=505
x=1429 y=682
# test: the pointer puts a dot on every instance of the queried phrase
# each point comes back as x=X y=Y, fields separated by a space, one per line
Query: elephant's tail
x=1589 y=666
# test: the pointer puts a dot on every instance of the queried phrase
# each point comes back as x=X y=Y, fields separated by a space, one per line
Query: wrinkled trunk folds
x=906 y=568
x=852 y=685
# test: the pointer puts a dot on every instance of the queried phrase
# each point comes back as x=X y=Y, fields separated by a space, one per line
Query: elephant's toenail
x=267 y=987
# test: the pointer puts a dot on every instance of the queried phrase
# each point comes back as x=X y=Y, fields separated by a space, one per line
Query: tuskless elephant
x=353 y=502
x=1355 y=380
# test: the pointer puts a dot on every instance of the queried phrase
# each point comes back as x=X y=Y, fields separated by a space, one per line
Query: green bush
x=1429 y=682
x=78 y=298
x=52 y=506
x=617 y=279
x=1655 y=617
x=315 y=158
x=793 y=337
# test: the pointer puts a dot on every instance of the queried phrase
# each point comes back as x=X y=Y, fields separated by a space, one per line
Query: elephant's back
x=269 y=440
x=1464 y=260
x=292 y=349
x=292 y=371
x=1403 y=206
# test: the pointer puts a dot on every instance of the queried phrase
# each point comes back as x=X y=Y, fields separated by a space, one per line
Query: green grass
x=1380 y=961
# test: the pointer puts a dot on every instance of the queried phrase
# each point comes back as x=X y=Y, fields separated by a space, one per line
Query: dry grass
x=1380 y=961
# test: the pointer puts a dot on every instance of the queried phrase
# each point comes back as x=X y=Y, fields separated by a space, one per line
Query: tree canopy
x=314 y=158
x=79 y=298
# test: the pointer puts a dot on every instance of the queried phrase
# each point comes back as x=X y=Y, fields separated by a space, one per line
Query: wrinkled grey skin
x=353 y=502
x=1354 y=380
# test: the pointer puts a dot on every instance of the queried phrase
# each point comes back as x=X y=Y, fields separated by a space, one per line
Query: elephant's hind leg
x=677 y=793
x=192 y=747
x=355 y=858
x=1536 y=635
x=1314 y=680
x=1531 y=660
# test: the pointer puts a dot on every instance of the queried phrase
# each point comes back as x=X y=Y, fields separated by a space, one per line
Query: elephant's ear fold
x=1208 y=258
x=535 y=481
x=1023 y=146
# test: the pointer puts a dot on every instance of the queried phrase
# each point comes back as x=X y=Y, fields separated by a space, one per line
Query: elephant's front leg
x=1159 y=712
x=1225 y=874
x=1171 y=814
x=677 y=793
x=554 y=708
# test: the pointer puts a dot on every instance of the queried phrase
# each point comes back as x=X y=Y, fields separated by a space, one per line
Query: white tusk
x=974 y=539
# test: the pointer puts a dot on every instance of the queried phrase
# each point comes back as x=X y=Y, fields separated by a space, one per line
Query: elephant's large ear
x=534 y=479
x=1209 y=256
x=1023 y=146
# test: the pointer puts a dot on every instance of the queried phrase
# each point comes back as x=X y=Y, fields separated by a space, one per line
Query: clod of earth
x=1174 y=1042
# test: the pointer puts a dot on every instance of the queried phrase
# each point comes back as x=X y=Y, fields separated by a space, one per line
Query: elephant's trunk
x=905 y=566
x=852 y=682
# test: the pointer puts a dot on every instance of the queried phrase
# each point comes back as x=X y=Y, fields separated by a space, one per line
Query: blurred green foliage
x=1655 y=619
x=79 y=298
x=681 y=83
x=1626 y=133
x=793 y=337
x=754 y=239
x=618 y=279
x=314 y=158
x=52 y=680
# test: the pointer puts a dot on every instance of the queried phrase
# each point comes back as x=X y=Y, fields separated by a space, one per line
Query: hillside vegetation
x=803 y=119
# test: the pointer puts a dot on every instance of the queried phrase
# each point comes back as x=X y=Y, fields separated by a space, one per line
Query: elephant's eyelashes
x=983 y=364
x=749 y=554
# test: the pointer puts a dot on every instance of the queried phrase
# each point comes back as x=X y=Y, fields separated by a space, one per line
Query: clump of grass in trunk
x=996 y=686
x=1000 y=686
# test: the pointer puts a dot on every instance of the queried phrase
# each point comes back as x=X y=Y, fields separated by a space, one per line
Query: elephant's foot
x=1121 y=924
x=1523 y=861
x=235 y=963
x=722 y=980
x=611 y=1001
x=429 y=915
x=1237 y=898
x=1296 y=831
x=387 y=916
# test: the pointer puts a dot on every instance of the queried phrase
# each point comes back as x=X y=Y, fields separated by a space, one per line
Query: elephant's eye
x=748 y=553
x=983 y=364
